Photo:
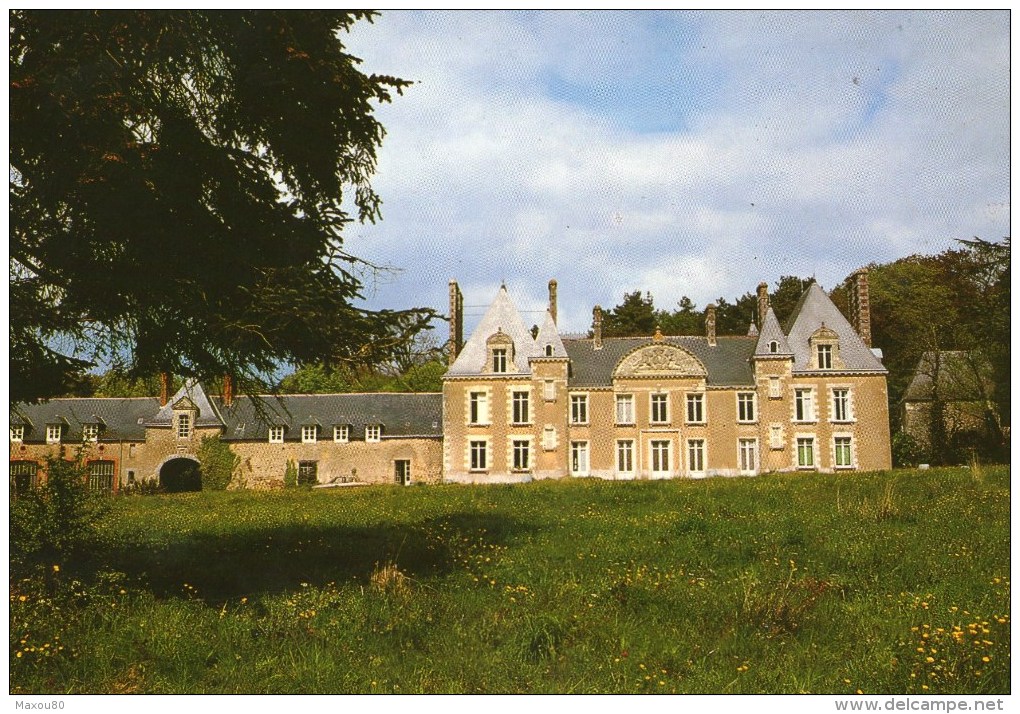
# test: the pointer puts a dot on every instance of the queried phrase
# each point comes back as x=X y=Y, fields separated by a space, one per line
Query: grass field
x=892 y=582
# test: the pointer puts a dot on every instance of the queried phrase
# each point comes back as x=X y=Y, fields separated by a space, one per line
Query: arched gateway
x=180 y=473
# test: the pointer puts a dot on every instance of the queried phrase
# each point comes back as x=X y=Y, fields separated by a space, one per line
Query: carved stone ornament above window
x=660 y=361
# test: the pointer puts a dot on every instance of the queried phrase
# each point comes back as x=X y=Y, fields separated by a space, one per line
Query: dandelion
x=56 y=568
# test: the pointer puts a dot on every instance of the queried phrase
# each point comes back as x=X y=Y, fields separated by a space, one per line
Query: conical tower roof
x=502 y=316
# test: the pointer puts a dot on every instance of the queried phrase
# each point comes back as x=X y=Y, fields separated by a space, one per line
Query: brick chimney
x=763 y=302
x=860 y=305
x=710 y=323
x=596 y=327
x=164 y=388
x=228 y=390
x=552 y=299
x=456 y=321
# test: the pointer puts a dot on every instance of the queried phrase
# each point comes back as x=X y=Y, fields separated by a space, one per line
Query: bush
x=905 y=450
x=217 y=463
x=290 y=474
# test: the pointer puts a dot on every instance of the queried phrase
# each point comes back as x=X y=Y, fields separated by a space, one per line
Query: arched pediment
x=660 y=360
x=824 y=333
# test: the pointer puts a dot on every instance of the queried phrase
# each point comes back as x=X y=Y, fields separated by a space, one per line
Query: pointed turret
x=815 y=311
x=503 y=321
x=191 y=396
x=771 y=340
x=548 y=339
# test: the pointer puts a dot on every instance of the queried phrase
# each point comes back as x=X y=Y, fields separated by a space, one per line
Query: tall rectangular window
x=803 y=405
x=402 y=472
x=745 y=407
x=479 y=454
x=579 y=458
x=549 y=438
x=183 y=426
x=521 y=411
x=660 y=456
x=578 y=408
x=624 y=408
x=499 y=360
x=660 y=408
x=53 y=433
x=844 y=452
x=521 y=454
x=549 y=388
x=747 y=455
x=101 y=475
x=695 y=408
x=824 y=356
x=276 y=435
x=342 y=433
x=309 y=434
x=90 y=432
x=806 y=452
x=479 y=408
x=625 y=457
x=24 y=475
x=776 y=436
x=696 y=455
x=841 y=405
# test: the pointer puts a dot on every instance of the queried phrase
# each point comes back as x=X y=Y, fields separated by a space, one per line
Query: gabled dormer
x=187 y=410
x=499 y=353
x=824 y=347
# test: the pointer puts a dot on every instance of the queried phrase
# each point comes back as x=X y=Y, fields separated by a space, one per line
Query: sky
x=678 y=153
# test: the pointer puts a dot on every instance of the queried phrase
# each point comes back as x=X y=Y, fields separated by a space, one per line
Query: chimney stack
x=710 y=323
x=552 y=299
x=860 y=305
x=164 y=388
x=456 y=321
x=228 y=390
x=763 y=302
x=596 y=327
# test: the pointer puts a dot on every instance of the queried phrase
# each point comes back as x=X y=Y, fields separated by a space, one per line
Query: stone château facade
x=517 y=406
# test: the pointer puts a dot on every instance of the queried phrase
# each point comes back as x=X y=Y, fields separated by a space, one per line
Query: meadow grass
x=884 y=582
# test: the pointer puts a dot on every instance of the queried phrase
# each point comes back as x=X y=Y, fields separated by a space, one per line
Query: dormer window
x=53 y=432
x=90 y=432
x=309 y=434
x=499 y=361
x=276 y=435
x=373 y=433
x=548 y=350
x=17 y=434
x=341 y=434
x=501 y=353
x=824 y=354
x=773 y=347
x=183 y=426
x=825 y=349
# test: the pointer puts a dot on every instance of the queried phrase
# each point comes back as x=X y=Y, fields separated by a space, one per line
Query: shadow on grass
x=251 y=562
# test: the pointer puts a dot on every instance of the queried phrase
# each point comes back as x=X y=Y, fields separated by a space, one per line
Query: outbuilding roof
x=119 y=419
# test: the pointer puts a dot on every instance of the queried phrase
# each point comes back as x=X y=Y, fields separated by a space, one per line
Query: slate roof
x=119 y=419
x=502 y=315
x=399 y=414
x=728 y=363
x=193 y=391
x=548 y=335
x=960 y=377
x=812 y=311
x=771 y=332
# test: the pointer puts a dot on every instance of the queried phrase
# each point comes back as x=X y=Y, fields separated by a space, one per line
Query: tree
x=179 y=184
x=634 y=316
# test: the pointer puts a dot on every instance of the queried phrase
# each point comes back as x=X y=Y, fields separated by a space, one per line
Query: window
x=550 y=390
x=806 y=452
x=745 y=407
x=276 y=435
x=521 y=412
x=183 y=426
x=624 y=408
x=775 y=388
x=521 y=454
x=24 y=475
x=660 y=457
x=824 y=353
x=101 y=475
x=309 y=434
x=479 y=454
x=747 y=455
x=841 y=405
x=373 y=433
x=803 y=405
x=342 y=434
x=479 y=408
x=695 y=408
x=549 y=438
x=625 y=457
x=696 y=455
x=53 y=433
x=844 y=452
x=402 y=472
x=660 y=408
x=773 y=347
x=499 y=360
x=578 y=408
x=579 y=458
x=90 y=432
x=776 y=436
x=307 y=472
x=17 y=433
x=548 y=350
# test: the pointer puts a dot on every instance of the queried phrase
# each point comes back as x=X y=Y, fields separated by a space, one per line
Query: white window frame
x=579 y=408
x=825 y=351
x=808 y=440
x=481 y=448
x=850 y=451
x=695 y=411
x=478 y=407
x=696 y=456
x=580 y=461
x=847 y=401
x=309 y=434
x=184 y=426
x=745 y=446
x=625 y=456
x=626 y=402
x=520 y=448
x=775 y=388
x=661 y=451
x=500 y=358
x=549 y=438
x=658 y=401
x=777 y=439
x=341 y=433
x=517 y=398
x=17 y=434
x=90 y=432
x=804 y=402
x=53 y=433
x=397 y=467
x=276 y=435
x=373 y=433
x=751 y=399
